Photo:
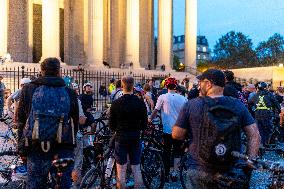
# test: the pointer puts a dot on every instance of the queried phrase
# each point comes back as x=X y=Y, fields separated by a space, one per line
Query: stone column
x=146 y=35
x=165 y=31
x=19 y=43
x=3 y=26
x=95 y=32
x=190 y=34
x=74 y=49
x=50 y=28
x=132 y=33
x=117 y=32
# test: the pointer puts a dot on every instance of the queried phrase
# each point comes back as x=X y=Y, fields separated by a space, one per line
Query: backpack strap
x=35 y=133
x=112 y=99
x=59 y=130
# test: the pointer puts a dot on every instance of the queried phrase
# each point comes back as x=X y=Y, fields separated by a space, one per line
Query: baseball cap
x=217 y=77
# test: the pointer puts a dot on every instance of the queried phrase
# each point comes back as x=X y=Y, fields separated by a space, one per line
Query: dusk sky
x=258 y=19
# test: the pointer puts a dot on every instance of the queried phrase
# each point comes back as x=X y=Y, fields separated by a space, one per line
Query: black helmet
x=262 y=85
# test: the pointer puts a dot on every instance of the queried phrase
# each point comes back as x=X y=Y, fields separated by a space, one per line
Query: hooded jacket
x=25 y=108
x=232 y=88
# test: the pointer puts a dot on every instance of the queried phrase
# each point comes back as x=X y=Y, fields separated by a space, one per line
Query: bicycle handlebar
x=266 y=164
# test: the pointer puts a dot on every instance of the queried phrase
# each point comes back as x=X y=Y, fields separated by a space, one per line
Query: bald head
x=127 y=83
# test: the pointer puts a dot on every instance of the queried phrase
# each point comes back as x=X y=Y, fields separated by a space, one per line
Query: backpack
x=220 y=134
x=49 y=122
x=116 y=92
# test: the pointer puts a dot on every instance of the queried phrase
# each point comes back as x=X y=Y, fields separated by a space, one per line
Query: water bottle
x=109 y=167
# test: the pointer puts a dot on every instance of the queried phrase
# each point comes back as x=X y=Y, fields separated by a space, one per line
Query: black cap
x=217 y=77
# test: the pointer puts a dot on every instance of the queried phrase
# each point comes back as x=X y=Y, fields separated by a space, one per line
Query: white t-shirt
x=170 y=105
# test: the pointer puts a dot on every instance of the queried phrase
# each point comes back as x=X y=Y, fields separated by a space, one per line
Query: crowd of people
x=211 y=115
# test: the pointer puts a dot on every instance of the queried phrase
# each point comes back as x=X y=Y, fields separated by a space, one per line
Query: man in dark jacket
x=231 y=87
x=39 y=160
x=128 y=116
x=266 y=110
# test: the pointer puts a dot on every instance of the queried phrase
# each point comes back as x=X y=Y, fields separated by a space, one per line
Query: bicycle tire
x=152 y=165
x=91 y=179
x=101 y=127
x=8 y=143
x=7 y=158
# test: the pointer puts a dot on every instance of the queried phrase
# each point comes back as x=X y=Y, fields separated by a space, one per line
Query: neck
x=127 y=92
x=171 y=91
x=214 y=93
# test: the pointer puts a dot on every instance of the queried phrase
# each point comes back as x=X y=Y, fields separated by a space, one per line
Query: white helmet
x=87 y=84
x=74 y=86
x=25 y=81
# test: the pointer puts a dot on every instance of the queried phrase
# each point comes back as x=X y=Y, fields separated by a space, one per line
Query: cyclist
x=78 y=151
x=117 y=93
x=148 y=98
x=2 y=91
x=15 y=96
x=170 y=105
x=128 y=116
x=266 y=108
x=47 y=108
x=111 y=86
x=208 y=146
x=87 y=103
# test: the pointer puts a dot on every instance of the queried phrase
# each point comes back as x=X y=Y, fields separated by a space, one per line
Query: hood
x=49 y=81
x=235 y=84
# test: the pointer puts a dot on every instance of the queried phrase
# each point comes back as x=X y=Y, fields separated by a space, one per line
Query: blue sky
x=258 y=19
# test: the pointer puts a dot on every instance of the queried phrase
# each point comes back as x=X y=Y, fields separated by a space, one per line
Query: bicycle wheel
x=8 y=141
x=7 y=158
x=152 y=169
x=184 y=168
x=102 y=128
x=92 y=179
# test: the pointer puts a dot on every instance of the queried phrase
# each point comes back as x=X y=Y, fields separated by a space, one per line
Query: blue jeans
x=39 y=164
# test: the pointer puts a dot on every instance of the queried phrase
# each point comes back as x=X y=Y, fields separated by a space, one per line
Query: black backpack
x=220 y=134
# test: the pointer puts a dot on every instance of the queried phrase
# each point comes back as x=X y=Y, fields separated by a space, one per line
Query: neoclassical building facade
x=94 y=31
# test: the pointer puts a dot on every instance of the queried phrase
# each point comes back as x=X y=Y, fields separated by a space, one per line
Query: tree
x=177 y=64
x=234 y=49
x=271 y=52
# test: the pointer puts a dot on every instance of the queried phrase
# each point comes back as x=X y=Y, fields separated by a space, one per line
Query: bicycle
x=8 y=138
x=103 y=173
x=12 y=167
x=152 y=165
x=266 y=174
x=60 y=166
x=89 y=149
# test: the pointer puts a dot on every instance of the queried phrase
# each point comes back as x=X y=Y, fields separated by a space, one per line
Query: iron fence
x=12 y=77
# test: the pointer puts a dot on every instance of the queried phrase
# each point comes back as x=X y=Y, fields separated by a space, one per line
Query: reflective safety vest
x=261 y=105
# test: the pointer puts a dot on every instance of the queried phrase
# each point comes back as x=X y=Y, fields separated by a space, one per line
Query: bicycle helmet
x=87 y=84
x=170 y=81
x=262 y=85
x=138 y=91
x=68 y=80
x=25 y=81
x=74 y=86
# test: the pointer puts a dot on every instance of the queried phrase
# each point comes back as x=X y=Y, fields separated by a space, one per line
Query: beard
x=202 y=91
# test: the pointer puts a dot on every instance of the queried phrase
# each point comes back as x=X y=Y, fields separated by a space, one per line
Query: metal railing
x=12 y=77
